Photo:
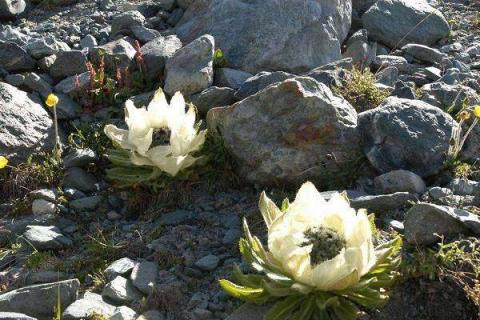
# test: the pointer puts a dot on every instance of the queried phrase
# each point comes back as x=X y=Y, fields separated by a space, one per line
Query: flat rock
x=13 y=58
x=213 y=97
x=39 y=300
x=384 y=203
x=399 y=181
x=46 y=238
x=119 y=267
x=121 y=290
x=144 y=276
x=68 y=63
x=259 y=82
x=292 y=131
x=269 y=36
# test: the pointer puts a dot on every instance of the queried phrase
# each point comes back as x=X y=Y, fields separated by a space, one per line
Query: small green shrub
x=359 y=89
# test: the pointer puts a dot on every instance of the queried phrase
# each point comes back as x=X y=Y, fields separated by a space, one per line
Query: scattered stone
x=249 y=311
x=157 y=52
x=79 y=158
x=231 y=78
x=86 y=204
x=406 y=134
x=259 y=82
x=41 y=206
x=124 y=313
x=13 y=58
x=464 y=187
x=425 y=222
x=190 y=69
x=119 y=268
x=213 y=97
x=45 y=46
x=45 y=277
x=208 y=263
x=399 y=22
x=68 y=63
x=88 y=42
x=40 y=300
x=384 y=203
x=151 y=315
x=438 y=192
x=10 y=9
x=288 y=133
x=80 y=179
x=121 y=290
x=25 y=126
x=399 y=181
x=423 y=53
x=144 y=276
x=116 y=54
x=46 y=238
x=91 y=304
x=123 y=22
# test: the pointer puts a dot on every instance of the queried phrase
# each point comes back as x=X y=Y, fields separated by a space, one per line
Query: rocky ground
x=363 y=101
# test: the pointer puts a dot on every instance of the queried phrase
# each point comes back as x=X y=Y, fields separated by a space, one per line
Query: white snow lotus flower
x=160 y=117
x=320 y=261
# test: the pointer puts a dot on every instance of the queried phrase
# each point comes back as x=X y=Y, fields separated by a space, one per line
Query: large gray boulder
x=84 y=308
x=406 y=134
x=13 y=58
x=40 y=300
x=398 y=22
x=190 y=70
x=10 y=9
x=292 y=131
x=25 y=126
x=291 y=35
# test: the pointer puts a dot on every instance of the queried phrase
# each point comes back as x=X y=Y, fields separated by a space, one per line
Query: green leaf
x=285 y=204
x=346 y=310
x=255 y=295
x=283 y=308
x=277 y=290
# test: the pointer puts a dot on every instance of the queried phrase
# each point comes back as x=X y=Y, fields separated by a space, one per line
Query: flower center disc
x=327 y=244
x=160 y=137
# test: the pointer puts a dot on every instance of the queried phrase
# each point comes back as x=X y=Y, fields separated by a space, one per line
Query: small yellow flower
x=3 y=162
x=476 y=111
x=52 y=100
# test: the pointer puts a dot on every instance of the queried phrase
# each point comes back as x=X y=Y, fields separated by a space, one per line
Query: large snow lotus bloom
x=171 y=123
x=320 y=263
x=321 y=244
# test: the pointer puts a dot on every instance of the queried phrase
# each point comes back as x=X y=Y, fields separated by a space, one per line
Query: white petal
x=162 y=158
x=118 y=136
x=177 y=112
x=140 y=160
x=327 y=274
x=269 y=210
x=158 y=110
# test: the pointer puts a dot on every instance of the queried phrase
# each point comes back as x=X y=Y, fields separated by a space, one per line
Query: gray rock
x=45 y=277
x=119 y=267
x=231 y=78
x=79 y=158
x=15 y=79
x=157 y=52
x=176 y=217
x=123 y=22
x=25 y=125
x=45 y=46
x=249 y=311
x=359 y=49
x=269 y=36
x=399 y=22
x=12 y=34
x=399 y=181
x=86 y=204
x=438 y=192
x=387 y=76
x=213 y=97
x=190 y=70
x=464 y=187
x=208 y=263
x=35 y=83
x=144 y=34
x=449 y=97
x=40 y=300
x=175 y=16
x=121 y=290
x=144 y=276
x=67 y=108
x=123 y=313
x=425 y=222
x=69 y=85
x=293 y=131
x=13 y=58
x=423 y=53
x=10 y=9
x=119 y=53
x=384 y=203
x=406 y=134
x=384 y=61
x=90 y=304
x=151 y=315
x=45 y=194
x=88 y=42
x=41 y=206
x=15 y=316
x=184 y=3
x=68 y=63
x=46 y=238
x=80 y=179
x=259 y=82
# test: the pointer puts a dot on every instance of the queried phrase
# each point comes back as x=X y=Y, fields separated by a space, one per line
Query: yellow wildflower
x=476 y=111
x=464 y=115
x=3 y=162
x=52 y=100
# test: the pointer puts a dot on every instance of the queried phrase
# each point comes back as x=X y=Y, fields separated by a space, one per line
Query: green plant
x=219 y=60
x=475 y=21
x=360 y=90
x=91 y=136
